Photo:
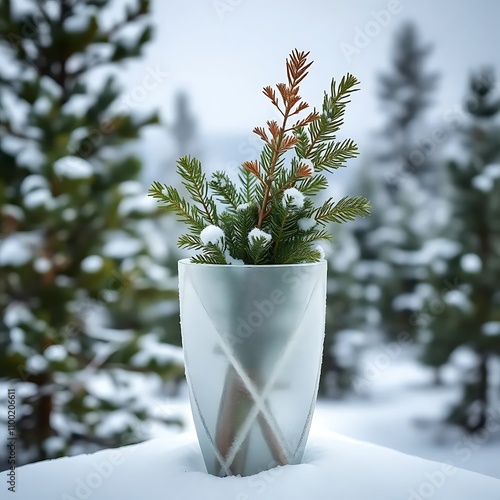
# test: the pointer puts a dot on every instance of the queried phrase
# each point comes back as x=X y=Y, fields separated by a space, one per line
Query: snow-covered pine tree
x=373 y=270
x=405 y=92
x=347 y=306
x=184 y=126
x=81 y=291
x=467 y=324
x=409 y=243
x=391 y=245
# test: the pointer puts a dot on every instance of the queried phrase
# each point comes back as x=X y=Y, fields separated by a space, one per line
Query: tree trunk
x=482 y=394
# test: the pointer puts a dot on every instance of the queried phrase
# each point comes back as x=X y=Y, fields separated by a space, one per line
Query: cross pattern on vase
x=280 y=449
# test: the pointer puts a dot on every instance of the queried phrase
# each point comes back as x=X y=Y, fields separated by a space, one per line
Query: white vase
x=253 y=342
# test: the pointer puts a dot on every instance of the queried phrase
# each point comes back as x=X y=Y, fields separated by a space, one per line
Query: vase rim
x=187 y=262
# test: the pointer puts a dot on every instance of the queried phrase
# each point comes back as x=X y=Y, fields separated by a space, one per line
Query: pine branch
x=212 y=254
x=206 y=259
x=332 y=116
x=173 y=202
x=297 y=68
x=258 y=251
x=258 y=201
x=314 y=235
x=266 y=159
x=195 y=182
x=224 y=188
x=190 y=242
x=297 y=251
x=302 y=146
x=286 y=178
x=344 y=210
x=311 y=186
x=336 y=154
x=340 y=96
x=236 y=227
x=284 y=224
x=248 y=182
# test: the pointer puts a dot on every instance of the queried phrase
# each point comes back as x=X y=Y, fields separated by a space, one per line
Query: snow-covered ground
x=333 y=467
x=404 y=412
x=400 y=409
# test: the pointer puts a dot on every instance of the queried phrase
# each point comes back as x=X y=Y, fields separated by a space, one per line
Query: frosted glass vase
x=253 y=342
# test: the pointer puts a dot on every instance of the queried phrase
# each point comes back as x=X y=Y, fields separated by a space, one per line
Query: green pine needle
x=194 y=181
x=225 y=190
x=344 y=210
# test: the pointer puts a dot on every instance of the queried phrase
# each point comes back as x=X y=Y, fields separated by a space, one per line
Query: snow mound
x=471 y=263
x=152 y=349
x=306 y=223
x=334 y=467
x=256 y=234
x=293 y=197
x=33 y=182
x=120 y=245
x=212 y=234
x=17 y=249
x=482 y=183
x=73 y=167
x=142 y=204
x=492 y=328
x=92 y=264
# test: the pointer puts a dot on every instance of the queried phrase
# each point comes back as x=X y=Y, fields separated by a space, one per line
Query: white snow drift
x=334 y=467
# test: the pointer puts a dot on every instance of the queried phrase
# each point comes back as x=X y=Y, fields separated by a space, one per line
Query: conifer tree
x=467 y=284
x=184 y=126
x=349 y=299
x=80 y=283
x=375 y=240
x=393 y=243
x=405 y=93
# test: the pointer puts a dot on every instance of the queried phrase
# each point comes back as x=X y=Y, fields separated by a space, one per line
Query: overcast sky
x=224 y=51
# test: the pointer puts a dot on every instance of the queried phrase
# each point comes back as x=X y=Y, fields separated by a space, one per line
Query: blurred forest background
x=99 y=97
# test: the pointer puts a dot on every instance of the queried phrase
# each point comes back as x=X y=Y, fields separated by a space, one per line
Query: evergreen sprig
x=270 y=217
x=344 y=210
